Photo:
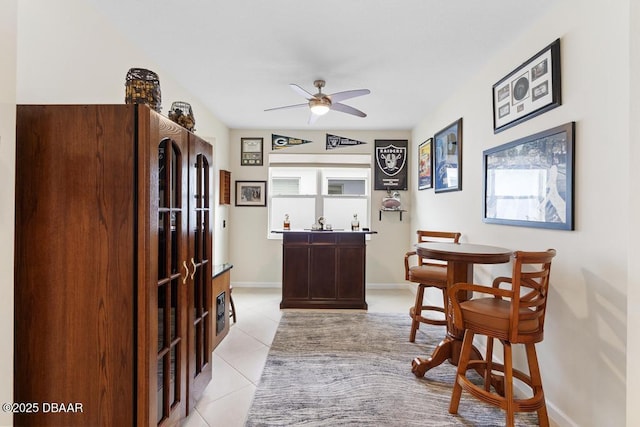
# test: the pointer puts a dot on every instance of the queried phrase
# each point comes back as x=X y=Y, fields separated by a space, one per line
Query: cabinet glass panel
x=162 y=173
x=176 y=184
x=199 y=347
x=162 y=246
x=174 y=310
x=170 y=275
x=162 y=292
x=175 y=233
x=201 y=248
x=160 y=393
x=174 y=391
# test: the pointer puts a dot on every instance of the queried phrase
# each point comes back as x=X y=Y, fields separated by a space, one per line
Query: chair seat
x=491 y=315
x=434 y=275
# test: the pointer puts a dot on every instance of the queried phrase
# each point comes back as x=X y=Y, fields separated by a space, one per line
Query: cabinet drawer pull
x=186 y=272
x=194 y=268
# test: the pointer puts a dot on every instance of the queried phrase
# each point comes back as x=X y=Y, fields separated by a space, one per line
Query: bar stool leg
x=233 y=306
x=416 y=313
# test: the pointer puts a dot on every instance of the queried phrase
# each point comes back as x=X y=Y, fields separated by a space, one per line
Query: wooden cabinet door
x=322 y=272
x=75 y=273
x=164 y=268
x=199 y=284
x=351 y=277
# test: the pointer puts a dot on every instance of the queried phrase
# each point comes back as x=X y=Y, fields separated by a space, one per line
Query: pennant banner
x=335 y=141
x=278 y=141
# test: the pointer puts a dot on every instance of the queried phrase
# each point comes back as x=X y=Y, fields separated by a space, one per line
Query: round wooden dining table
x=460 y=259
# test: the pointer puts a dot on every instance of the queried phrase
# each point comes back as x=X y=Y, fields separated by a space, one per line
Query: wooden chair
x=514 y=315
x=232 y=311
x=428 y=273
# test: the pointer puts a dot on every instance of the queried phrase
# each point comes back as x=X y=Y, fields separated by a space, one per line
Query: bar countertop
x=221 y=268
x=336 y=230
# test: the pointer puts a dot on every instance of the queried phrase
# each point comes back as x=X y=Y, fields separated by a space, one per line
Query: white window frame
x=320 y=162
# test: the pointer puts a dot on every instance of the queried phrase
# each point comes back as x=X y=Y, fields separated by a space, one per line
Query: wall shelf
x=390 y=210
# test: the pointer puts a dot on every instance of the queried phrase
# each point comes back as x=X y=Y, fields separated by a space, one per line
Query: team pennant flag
x=335 y=141
x=279 y=141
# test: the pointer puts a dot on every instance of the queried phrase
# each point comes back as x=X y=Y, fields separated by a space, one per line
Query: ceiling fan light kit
x=320 y=107
x=321 y=103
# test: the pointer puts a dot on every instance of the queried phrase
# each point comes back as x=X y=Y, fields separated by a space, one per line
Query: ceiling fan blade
x=313 y=118
x=301 y=91
x=288 y=106
x=347 y=109
x=348 y=94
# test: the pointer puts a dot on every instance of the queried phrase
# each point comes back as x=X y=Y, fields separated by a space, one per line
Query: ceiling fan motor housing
x=320 y=105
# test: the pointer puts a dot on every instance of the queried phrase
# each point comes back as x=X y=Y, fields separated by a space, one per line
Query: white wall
x=8 y=14
x=68 y=53
x=633 y=296
x=583 y=356
x=258 y=260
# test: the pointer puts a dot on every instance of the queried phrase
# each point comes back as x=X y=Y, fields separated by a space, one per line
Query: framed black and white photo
x=447 y=157
x=251 y=151
x=529 y=182
x=529 y=90
x=251 y=193
x=425 y=165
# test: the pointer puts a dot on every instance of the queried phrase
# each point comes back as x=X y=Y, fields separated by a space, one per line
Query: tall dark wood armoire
x=113 y=250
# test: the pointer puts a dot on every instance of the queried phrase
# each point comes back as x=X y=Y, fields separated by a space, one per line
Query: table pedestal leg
x=449 y=348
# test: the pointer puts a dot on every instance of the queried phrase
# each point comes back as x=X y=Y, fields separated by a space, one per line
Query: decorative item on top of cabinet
x=143 y=87
x=225 y=187
x=182 y=114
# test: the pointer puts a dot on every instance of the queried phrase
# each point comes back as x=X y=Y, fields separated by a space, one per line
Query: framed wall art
x=447 y=157
x=529 y=90
x=529 y=182
x=251 y=151
x=390 y=171
x=425 y=178
x=251 y=193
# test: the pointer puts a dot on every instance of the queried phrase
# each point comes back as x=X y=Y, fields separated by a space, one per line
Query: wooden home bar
x=324 y=269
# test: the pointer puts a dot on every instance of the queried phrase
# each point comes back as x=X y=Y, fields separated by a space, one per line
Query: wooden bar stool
x=232 y=312
x=515 y=315
x=428 y=273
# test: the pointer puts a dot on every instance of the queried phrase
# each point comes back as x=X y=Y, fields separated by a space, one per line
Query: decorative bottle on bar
x=355 y=223
x=287 y=224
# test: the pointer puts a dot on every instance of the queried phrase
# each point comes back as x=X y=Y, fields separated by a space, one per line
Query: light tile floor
x=240 y=357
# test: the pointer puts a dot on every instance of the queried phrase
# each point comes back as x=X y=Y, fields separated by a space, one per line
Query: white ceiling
x=239 y=56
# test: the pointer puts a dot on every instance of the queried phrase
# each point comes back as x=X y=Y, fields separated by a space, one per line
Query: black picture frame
x=251 y=151
x=529 y=182
x=447 y=158
x=251 y=193
x=425 y=165
x=528 y=91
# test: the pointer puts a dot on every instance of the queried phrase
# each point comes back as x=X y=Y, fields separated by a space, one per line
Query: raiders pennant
x=335 y=141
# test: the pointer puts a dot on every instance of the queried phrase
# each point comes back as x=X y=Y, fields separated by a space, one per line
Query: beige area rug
x=354 y=369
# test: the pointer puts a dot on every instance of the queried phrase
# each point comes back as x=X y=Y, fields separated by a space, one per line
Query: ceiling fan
x=321 y=103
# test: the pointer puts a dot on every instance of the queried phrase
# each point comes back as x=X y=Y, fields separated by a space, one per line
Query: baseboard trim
x=278 y=285
x=265 y=285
